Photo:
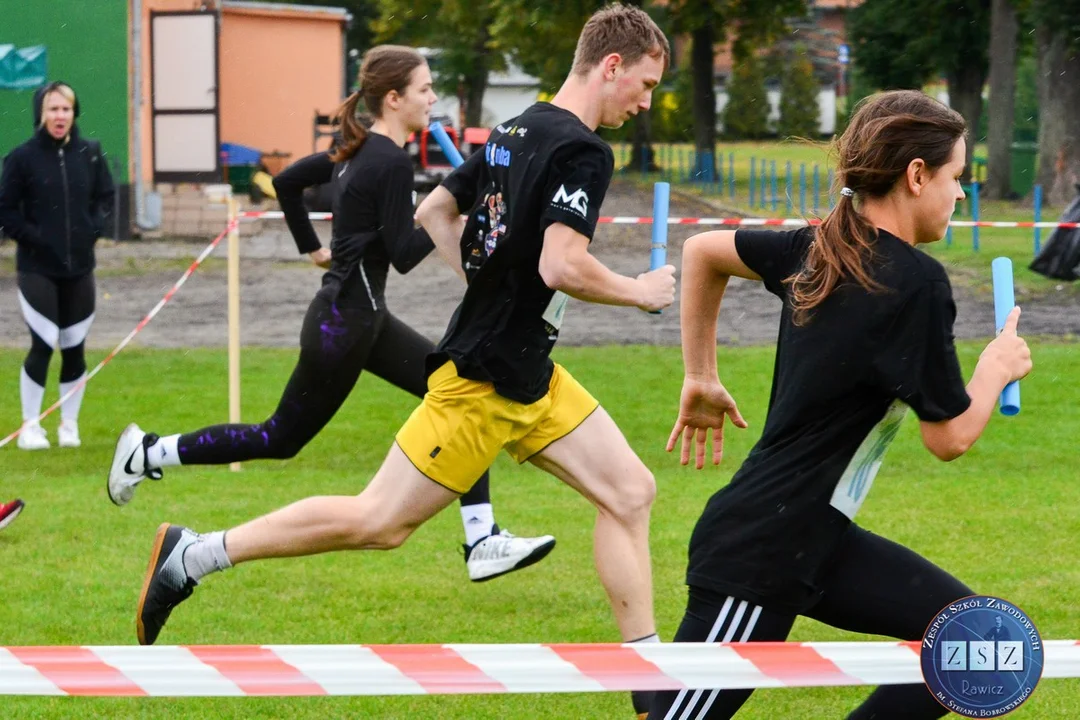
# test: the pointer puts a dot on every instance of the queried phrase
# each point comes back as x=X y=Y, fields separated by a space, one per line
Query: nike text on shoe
x=33 y=437
x=68 y=434
x=129 y=464
x=10 y=511
x=166 y=583
x=499 y=554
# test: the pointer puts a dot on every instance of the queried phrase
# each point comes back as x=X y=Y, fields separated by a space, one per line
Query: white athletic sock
x=32 y=395
x=206 y=555
x=654 y=638
x=69 y=409
x=478 y=520
x=163 y=453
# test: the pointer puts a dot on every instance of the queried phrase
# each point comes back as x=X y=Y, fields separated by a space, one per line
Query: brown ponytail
x=384 y=69
x=887 y=132
x=353 y=132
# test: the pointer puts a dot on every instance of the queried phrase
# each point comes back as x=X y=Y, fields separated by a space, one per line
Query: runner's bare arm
x=708 y=261
x=567 y=265
x=439 y=215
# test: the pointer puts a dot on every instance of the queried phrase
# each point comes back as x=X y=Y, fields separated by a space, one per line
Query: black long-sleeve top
x=373 y=207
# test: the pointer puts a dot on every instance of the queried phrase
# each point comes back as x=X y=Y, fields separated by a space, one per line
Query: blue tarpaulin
x=22 y=68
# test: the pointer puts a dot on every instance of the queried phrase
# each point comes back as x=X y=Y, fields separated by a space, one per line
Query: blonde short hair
x=60 y=89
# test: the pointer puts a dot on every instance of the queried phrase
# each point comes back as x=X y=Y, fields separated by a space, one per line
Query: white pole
x=234 y=317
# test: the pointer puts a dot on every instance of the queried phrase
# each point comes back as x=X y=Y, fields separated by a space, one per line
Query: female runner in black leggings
x=865 y=334
x=347 y=328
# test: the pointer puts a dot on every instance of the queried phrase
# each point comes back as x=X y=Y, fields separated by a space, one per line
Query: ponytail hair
x=384 y=69
x=353 y=132
x=887 y=132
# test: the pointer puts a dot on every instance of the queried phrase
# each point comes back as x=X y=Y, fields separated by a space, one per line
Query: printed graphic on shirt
x=577 y=201
x=496 y=209
x=859 y=475
x=555 y=311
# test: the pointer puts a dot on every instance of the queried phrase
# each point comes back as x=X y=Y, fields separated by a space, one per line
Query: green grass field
x=1004 y=518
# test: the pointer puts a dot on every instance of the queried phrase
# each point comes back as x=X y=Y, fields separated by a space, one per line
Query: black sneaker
x=166 y=583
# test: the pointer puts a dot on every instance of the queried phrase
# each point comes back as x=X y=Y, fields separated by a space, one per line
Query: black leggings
x=58 y=311
x=874 y=586
x=342 y=335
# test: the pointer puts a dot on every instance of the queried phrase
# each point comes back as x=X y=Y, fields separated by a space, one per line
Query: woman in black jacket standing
x=54 y=192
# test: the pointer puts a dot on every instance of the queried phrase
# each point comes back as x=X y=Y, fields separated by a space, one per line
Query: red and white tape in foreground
x=290 y=670
x=123 y=343
x=733 y=221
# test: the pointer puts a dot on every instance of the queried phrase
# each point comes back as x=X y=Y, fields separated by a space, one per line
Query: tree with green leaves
x=746 y=115
x=707 y=22
x=799 y=87
x=1057 y=40
x=460 y=33
x=541 y=38
x=906 y=43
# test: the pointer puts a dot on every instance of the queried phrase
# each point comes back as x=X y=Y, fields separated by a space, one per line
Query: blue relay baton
x=449 y=150
x=1004 y=301
x=658 y=254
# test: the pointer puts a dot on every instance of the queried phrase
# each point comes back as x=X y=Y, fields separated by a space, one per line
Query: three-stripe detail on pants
x=727 y=625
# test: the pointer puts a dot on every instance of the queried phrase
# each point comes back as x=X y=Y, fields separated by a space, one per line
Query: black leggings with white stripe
x=874 y=586
x=58 y=312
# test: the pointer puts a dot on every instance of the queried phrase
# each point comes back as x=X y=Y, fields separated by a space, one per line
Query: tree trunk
x=1059 y=105
x=965 y=96
x=1003 y=36
x=704 y=101
x=642 y=155
x=476 y=82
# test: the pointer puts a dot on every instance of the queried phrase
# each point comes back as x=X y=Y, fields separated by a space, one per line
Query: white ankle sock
x=163 y=453
x=206 y=555
x=478 y=520
x=654 y=638
x=31 y=394
x=69 y=409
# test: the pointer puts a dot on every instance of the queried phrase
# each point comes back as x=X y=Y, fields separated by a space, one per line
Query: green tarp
x=22 y=68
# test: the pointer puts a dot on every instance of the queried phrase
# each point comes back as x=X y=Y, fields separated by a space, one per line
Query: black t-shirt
x=842 y=383
x=543 y=167
x=373 y=207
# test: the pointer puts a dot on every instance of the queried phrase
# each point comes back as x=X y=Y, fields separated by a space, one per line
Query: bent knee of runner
x=376 y=531
x=631 y=496
x=282 y=441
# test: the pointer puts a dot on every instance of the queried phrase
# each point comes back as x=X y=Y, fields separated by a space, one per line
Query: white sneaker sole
x=11 y=518
x=484 y=570
x=117 y=476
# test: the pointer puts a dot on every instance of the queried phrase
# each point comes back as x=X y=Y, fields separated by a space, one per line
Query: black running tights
x=874 y=586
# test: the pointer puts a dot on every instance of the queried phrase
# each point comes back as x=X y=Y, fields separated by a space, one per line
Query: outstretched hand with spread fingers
x=703 y=406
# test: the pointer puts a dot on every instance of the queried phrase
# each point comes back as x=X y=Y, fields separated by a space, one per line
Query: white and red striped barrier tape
x=733 y=221
x=123 y=343
x=292 y=670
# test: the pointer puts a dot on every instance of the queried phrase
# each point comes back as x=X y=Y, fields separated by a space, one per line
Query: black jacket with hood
x=54 y=195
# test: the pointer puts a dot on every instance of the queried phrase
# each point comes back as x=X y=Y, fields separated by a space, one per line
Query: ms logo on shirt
x=577 y=201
